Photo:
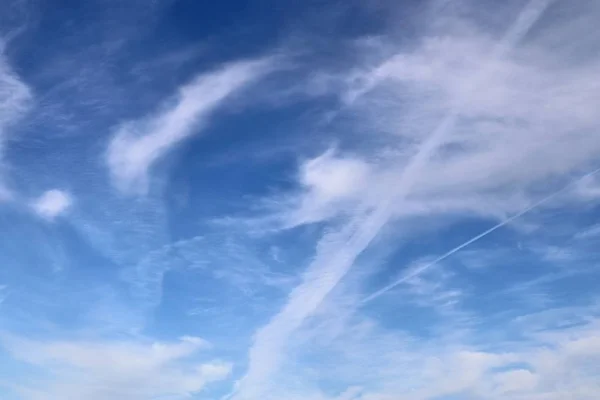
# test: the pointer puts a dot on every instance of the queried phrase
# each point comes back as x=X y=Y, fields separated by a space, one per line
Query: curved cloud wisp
x=337 y=252
x=137 y=145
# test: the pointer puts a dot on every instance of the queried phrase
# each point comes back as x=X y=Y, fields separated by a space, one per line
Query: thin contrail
x=338 y=255
x=419 y=270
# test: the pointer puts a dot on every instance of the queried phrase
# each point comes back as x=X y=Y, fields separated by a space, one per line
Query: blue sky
x=358 y=200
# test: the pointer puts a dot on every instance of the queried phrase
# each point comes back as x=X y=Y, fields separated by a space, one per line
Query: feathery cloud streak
x=137 y=145
x=337 y=252
x=116 y=370
x=425 y=267
x=110 y=287
x=15 y=99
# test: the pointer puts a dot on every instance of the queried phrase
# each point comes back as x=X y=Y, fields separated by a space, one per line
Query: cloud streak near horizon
x=199 y=204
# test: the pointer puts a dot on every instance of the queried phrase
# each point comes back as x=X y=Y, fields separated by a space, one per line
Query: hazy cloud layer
x=352 y=202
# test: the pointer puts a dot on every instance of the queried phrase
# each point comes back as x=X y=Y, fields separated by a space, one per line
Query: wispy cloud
x=15 y=99
x=115 y=369
x=454 y=134
x=137 y=145
x=390 y=363
x=330 y=185
x=417 y=271
x=591 y=232
x=473 y=118
x=15 y=95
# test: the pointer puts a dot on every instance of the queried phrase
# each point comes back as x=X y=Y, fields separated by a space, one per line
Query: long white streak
x=529 y=16
x=137 y=145
x=15 y=100
x=338 y=252
x=526 y=19
x=441 y=258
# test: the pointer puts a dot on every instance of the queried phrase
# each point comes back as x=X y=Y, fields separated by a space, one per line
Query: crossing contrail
x=338 y=251
x=421 y=269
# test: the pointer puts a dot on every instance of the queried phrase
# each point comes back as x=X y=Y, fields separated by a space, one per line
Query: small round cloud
x=52 y=203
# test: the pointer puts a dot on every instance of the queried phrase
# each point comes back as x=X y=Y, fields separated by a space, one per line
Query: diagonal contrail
x=337 y=252
x=420 y=270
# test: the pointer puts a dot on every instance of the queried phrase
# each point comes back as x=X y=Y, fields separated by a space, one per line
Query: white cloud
x=515 y=114
x=589 y=189
x=341 y=346
x=15 y=95
x=476 y=122
x=517 y=380
x=15 y=98
x=524 y=109
x=589 y=233
x=3 y=293
x=488 y=158
x=52 y=203
x=115 y=370
x=137 y=145
x=330 y=185
x=330 y=178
